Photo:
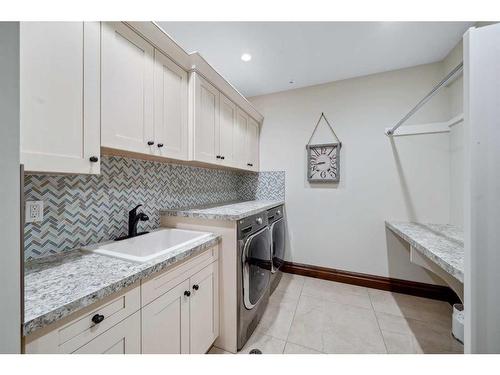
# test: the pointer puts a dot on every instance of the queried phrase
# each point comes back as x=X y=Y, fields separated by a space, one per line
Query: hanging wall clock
x=323 y=160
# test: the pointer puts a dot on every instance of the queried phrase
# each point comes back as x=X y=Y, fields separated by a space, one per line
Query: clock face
x=323 y=162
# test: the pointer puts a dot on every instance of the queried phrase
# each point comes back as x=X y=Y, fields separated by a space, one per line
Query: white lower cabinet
x=204 y=309
x=165 y=323
x=175 y=312
x=80 y=333
x=186 y=318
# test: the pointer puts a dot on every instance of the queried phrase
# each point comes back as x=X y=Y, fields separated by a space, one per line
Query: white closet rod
x=457 y=70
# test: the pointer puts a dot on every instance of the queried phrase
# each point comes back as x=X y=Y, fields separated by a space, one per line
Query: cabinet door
x=206 y=120
x=59 y=96
x=252 y=141
x=204 y=309
x=240 y=140
x=126 y=89
x=123 y=338
x=165 y=323
x=171 y=95
x=227 y=124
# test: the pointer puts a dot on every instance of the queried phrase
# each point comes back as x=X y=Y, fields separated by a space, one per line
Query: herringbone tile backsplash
x=82 y=209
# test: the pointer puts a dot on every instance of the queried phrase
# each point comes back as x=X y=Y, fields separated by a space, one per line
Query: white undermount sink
x=148 y=246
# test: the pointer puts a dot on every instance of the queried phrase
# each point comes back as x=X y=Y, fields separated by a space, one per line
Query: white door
x=59 y=96
x=204 y=309
x=171 y=100
x=123 y=338
x=206 y=120
x=165 y=323
x=227 y=124
x=126 y=89
x=240 y=140
x=482 y=185
x=252 y=141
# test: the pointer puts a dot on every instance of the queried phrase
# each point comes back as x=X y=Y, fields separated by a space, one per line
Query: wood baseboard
x=438 y=292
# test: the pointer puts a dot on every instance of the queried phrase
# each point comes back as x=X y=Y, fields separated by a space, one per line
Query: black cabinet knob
x=94 y=159
x=160 y=145
x=97 y=318
x=150 y=143
x=218 y=156
x=187 y=293
x=250 y=164
x=222 y=157
x=196 y=287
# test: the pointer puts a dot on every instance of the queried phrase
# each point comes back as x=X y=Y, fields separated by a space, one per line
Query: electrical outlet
x=34 y=211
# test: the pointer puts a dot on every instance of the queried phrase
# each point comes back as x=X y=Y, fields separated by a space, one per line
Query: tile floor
x=308 y=316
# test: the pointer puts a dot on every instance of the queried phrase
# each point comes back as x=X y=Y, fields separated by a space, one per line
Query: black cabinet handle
x=187 y=293
x=150 y=143
x=94 y=159
x=160 y=145
x=196 y=287
x=250 y=164
x=97 y=318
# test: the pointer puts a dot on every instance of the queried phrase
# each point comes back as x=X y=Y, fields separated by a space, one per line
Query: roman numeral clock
x=323 y=160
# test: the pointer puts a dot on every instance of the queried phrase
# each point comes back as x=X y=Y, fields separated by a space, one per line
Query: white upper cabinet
x=252 y=142
x=240 y=139
x=171 y=108
x=205 y=119
x=127 y=89
x=88 y=85
x=225 y=132
x=246 y=142
x=59 y=96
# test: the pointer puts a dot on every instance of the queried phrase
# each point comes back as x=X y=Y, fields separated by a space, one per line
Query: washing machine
x=276 y=224
x=254 y=273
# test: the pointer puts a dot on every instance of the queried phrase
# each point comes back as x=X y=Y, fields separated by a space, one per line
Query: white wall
x=403 y=178
x=10 y=313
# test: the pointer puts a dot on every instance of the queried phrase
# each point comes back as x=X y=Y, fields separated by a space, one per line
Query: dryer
x=276 y=224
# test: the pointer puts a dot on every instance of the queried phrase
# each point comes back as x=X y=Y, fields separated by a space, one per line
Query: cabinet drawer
x=123 y=338
x=76 y=332
x=156 y=286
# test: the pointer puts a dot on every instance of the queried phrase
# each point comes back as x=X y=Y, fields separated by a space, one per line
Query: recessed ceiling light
x=246 y=57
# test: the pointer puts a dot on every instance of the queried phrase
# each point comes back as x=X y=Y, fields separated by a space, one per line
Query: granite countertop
x=225 y=211
x=58 y=285
x=441 y=243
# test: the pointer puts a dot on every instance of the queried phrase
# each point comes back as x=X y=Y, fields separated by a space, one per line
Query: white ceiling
x=310 y=53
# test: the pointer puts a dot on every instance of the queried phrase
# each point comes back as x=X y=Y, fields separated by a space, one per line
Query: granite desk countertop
x=441 y=243
x=59 y=285
x=225 y=211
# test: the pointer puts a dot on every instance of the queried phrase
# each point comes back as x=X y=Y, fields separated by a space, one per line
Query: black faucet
x=133 y=220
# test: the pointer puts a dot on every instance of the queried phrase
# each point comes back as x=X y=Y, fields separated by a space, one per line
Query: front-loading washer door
x=278 y=245
x=256 y=259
